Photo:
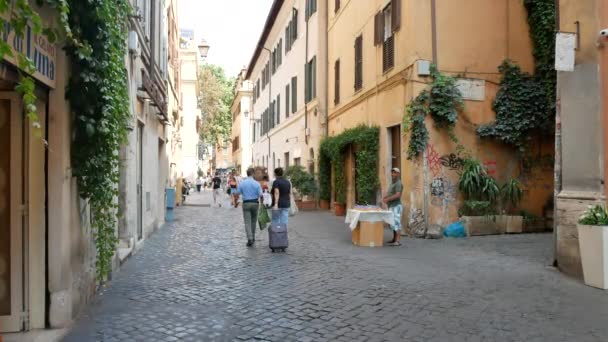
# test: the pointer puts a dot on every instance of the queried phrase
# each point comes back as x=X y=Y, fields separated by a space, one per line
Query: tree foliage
x=215 y=96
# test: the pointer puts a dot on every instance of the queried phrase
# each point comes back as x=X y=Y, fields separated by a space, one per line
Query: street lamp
x=203 y=48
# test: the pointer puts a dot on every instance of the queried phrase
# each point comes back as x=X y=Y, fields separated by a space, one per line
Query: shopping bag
x=263 y=218
x=293 y=207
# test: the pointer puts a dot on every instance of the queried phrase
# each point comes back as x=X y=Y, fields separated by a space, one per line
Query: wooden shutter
x=388 y=54
x=287 y=101
x=378 y=28
x=278 y=109
x=294 y=29
x=287 y=39
x=294 y=94
x=359 y=62
x=337 y=6
x=337 y=82
x=313 y=77
x=395 y=15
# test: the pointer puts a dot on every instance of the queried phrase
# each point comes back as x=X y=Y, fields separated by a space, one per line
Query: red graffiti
x=491 y=167
x=434 y=160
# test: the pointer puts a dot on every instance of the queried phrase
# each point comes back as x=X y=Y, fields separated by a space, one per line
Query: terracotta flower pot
x=340 y=209
x=324 y=205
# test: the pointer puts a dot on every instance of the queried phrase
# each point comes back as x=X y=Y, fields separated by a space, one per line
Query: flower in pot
x=511 y=194
x=593 y=244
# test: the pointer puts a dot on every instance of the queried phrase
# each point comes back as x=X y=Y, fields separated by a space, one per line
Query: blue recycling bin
x=170 y=200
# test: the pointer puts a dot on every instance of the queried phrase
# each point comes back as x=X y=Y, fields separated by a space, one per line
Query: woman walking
x=234 y=196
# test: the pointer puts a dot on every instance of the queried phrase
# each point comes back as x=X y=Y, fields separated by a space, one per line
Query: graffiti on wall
x=416 y=222
x=452 y=162
x=433 y=160
x=443 y=192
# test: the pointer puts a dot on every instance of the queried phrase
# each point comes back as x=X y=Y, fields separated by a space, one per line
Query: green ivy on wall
x=365 y=142
x=99 y=99
x=525 y=104
x=442 y=100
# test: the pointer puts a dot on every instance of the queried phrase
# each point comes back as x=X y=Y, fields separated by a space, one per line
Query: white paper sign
x=472 y=89
x=565 y=45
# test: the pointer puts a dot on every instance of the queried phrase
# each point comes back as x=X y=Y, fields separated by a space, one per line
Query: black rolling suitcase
x=277 y=235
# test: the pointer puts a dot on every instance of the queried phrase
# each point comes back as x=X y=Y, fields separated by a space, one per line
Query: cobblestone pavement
x=195 y=280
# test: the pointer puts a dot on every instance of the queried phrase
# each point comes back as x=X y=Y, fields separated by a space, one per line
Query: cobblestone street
x=195 y=280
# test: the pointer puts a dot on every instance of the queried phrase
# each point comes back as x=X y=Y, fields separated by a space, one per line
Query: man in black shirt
x=281 y=197
x=217 y=184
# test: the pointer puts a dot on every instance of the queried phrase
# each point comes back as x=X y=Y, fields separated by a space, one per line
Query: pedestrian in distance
x=393 y=201
x=232 y=187
x=250 y=192
x=199 y=183
x=217 y=192
x=281 y=197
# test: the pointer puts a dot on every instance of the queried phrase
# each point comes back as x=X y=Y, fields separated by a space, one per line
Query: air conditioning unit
x=424 y=67
x=133 y=42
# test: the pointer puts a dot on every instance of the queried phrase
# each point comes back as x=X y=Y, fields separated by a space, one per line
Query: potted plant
x=304 y=186
x=481 y=193
x=511 y=194
x=593 y=244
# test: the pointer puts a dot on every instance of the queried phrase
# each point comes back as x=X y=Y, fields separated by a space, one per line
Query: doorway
x=139 y=171
x=12 y=220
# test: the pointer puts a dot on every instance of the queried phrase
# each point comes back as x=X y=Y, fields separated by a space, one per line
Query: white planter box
x=593 y=244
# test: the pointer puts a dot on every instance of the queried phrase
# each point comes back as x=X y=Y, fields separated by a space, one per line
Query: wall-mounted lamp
x=246 y=113
x=203 y=48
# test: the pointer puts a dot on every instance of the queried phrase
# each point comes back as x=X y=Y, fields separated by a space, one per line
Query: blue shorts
x=397 y=211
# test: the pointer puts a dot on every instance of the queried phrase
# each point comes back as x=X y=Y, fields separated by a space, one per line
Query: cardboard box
x=368 y=234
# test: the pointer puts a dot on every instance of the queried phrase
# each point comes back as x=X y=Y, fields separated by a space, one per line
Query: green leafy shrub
x=595 y=216
x=477 y=208
x=301 y=180
x=511 y=194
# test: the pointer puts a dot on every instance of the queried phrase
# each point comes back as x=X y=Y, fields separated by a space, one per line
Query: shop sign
x=37 y=48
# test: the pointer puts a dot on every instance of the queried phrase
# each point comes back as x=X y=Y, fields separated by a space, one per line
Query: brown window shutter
x=378 y=28
x=337 y=82
x=395 y=15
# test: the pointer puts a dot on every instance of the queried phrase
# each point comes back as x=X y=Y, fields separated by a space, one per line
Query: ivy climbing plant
x=442 y=100
x=365 y=142
x=525 y=104
x=99 y=99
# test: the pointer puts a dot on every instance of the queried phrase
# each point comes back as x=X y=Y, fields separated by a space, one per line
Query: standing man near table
x=250 y=191
x=393 y=201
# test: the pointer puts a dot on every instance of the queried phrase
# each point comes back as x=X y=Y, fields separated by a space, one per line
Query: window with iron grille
x=359 y=63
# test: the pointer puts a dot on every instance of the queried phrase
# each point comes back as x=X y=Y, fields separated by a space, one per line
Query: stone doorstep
x=50 y=335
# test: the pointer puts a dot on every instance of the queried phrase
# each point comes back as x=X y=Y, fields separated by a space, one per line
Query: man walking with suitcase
x=281 y=197
x=250 y=191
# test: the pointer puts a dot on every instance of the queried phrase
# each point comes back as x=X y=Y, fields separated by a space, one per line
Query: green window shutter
x=278 y=109
x=287 y=101
x=294 y=94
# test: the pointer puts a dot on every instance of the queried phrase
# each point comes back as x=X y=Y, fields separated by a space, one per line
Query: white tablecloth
x=353 y=217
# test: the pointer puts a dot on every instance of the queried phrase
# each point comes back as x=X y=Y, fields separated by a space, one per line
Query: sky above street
x=231 y=27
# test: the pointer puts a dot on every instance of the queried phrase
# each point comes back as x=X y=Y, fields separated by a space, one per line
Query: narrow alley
x=196 y=281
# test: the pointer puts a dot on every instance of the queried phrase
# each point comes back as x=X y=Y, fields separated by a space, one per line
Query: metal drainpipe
x=269 y=105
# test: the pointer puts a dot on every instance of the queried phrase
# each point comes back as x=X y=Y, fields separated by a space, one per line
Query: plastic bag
x=455 y=230
x=263 y=217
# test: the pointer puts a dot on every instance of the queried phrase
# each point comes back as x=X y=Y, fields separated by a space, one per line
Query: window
x=254 y=92
x=387 y=22
x=257 y=88
x=359 y=63
x=287 y=101
x=291 y=32
x=264 y=78
x=311 y=8
x=235 y=144
x=337 y=6
x=272 y=114
x=287 y=160
x=294 y=94
x=297 y=161
x=254 y=131
x=337 y=82
x=311 y=80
